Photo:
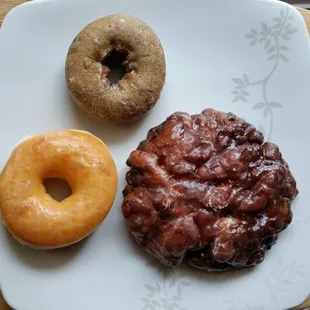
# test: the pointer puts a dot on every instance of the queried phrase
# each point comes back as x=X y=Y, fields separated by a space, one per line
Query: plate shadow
x=186 y=271
x=110 y=133
x=45 y=259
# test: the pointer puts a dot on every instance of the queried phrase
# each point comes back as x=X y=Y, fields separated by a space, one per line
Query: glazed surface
x=207 y=190
x=30 y=214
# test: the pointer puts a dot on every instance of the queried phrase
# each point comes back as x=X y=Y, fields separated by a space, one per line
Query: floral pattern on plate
x=274 y=38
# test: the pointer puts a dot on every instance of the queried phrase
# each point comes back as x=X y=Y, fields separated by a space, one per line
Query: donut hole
x=116 y=62
x=58 y=189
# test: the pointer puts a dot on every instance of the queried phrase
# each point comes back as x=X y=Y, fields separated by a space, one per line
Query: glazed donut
x=32 y=216
x=140 y=55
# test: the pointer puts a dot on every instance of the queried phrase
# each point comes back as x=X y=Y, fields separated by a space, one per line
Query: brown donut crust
x=87 y=76
x=207 y=190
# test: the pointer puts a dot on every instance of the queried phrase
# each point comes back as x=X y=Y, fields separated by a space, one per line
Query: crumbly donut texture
x=32 y=216
x=205 y=189
x=145 y=69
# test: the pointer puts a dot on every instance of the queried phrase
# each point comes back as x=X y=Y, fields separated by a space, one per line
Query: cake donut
x=126 y=42
x=32 y=216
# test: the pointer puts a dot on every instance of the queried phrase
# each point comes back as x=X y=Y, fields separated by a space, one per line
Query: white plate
x=213 y=49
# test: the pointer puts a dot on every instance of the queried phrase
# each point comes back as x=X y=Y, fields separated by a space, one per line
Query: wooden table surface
x=6 y=5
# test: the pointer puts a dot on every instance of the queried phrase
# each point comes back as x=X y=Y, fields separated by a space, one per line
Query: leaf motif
x=265 y=34
x=166 y=306
x=288 y=26
x=262 y=39
x=253 y=42
x=239 y=86
x=150 y=288
x=264 y=27
x=266 y=111
x=242 y=98
x=254 y=32
x=176 y=298
x=245 y=78
x=163 y=299
x=249 y=36
x=277 y=26
x=282 y=13
x=275 y=104
x=301 y=266
x=283 y=57
x=293 y=265
x=267 y=44
x=298 y=272
x=275 y=33
x=271 y=49
x=145 y=299
x=258 y=106
x=283 y=48
x=238 y=81
x=151 y=294
x=245 y=93
x=290 y=17
x=285 y=37
x=175 y=304
x=272 y=57
x=277 y=19
x=235 y=92
x=236 y=98
x=185 y=283
x=156 y=303
x=291 y=30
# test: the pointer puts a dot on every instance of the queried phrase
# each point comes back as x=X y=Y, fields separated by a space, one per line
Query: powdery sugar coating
x=206 y=190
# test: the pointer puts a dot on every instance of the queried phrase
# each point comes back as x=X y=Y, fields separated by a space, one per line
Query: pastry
x=32 y=216
x=126 y=42
x=206 y=190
